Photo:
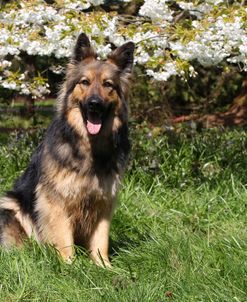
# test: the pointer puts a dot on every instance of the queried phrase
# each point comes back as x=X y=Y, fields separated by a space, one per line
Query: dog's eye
x=108 y=84
x=85 y=82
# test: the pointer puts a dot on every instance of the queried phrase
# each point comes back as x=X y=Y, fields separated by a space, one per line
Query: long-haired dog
x=67 y=194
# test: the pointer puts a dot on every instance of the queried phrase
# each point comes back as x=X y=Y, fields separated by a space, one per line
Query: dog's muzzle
x=94 y=114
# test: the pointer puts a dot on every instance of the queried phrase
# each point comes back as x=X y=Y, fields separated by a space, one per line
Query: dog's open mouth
x=94 y=113
x=93 y=124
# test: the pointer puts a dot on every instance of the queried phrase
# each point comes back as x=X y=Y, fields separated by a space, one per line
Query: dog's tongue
x=93 y=128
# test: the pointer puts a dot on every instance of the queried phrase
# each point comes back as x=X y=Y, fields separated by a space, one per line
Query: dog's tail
x=15 y=226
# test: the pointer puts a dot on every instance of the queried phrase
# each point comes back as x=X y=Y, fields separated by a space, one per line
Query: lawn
x=179 y=232
x=16 y=115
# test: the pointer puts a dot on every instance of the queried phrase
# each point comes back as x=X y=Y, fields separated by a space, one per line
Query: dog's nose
x=95 y=105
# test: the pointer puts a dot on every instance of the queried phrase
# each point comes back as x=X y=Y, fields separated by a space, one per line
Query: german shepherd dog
x=67 y=194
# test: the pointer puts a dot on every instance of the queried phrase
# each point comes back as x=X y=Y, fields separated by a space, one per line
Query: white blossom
x=212 y=46
x=157 y=10
x=24 y=89
x=57 y=69
x=51 y=30
x=142 y=57
x=111 y=26
x=117 y=39
x=96 y=2
x=5 y=64
x=10 y=85
x=169 y=70
x=186 y=5
x=80 y=4
x=103 y=51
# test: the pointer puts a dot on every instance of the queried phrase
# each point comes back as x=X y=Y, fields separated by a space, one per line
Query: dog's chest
x=77 y=187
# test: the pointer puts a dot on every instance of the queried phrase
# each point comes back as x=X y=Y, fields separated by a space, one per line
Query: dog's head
x=95 y=92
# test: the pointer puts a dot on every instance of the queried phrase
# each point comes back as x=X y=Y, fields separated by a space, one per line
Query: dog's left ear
x=123 y=57
x=83 y=49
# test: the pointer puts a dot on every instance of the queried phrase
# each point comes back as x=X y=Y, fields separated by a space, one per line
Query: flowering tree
x=172 y=37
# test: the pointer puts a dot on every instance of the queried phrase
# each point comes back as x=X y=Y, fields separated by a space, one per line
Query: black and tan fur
x=67 y=194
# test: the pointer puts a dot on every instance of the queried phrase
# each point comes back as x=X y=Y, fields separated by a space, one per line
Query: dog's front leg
x=99 y=243
x=54 y=227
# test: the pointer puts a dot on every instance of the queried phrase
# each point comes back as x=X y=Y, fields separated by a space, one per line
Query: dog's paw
x=69 y=260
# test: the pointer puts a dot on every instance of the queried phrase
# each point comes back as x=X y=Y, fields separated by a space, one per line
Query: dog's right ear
x=83 y=49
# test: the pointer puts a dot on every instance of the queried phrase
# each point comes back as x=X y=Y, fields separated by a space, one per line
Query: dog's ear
x=83 y=49
x=123 y=57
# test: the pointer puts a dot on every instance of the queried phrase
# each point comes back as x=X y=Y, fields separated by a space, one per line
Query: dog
x=67 y=194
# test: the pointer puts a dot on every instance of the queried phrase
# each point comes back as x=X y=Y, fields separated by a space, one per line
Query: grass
x=16 y=116
x=19 y=104
x=178 y=234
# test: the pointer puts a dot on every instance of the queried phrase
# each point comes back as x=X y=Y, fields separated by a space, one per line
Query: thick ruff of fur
x=67 y=194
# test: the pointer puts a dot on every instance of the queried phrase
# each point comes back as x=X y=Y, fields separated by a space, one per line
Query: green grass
x=49 y=102
x=14 y=121
x=15 y=115
x=179 y=232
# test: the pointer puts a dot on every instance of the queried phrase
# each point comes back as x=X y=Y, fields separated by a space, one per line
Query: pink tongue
x=93 y=128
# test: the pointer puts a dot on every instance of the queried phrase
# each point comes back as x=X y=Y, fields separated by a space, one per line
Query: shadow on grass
x=127 y=236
